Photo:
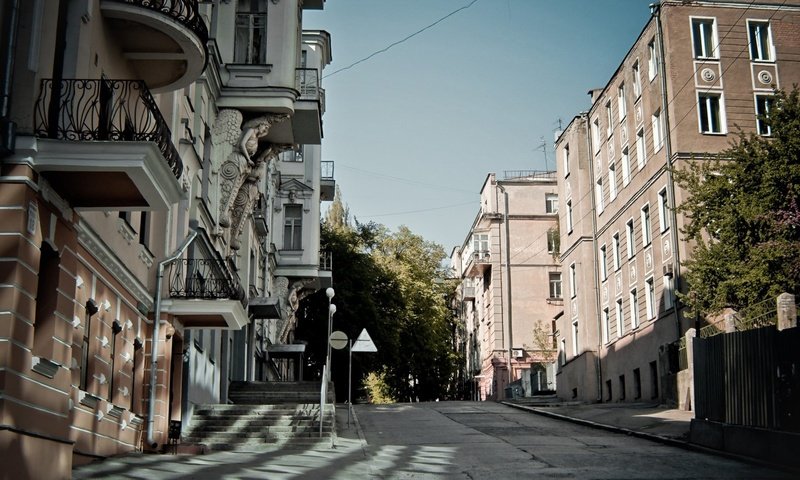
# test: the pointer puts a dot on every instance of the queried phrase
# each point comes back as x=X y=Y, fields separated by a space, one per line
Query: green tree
x=742 y=213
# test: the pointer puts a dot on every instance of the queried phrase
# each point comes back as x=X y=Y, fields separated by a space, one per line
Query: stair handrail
x=323 y=394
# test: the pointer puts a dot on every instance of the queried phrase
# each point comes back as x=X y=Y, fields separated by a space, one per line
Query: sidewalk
x=641 y=419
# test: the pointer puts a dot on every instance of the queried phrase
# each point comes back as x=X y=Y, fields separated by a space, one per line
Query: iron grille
x=184 y=12
x=201 y=278
x=81 y=110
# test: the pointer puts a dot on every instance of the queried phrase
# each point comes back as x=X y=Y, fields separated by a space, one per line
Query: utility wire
x=418 y=211
x=473 y=2
x=404 y=180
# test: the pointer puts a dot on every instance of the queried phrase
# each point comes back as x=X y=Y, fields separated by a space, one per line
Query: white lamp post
x=329 y=292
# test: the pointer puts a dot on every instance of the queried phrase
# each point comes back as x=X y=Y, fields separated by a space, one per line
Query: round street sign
x=338 y=340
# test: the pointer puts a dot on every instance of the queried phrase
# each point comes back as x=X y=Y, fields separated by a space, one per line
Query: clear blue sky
x=414 y=131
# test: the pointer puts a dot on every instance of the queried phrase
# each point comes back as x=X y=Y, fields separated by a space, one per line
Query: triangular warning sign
x=364 y=343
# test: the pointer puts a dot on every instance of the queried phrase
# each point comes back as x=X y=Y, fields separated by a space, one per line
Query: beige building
x=698 y=73
x=517 y=221
x=140 y=180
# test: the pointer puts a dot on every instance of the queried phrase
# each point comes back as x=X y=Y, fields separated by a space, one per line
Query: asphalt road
x=445 y=440
x=468 y=440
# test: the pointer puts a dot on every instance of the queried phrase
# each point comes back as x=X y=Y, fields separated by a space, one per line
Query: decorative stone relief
x=666 y=250
x=648 y=260
x=708 y=75
x=632 y=274
x=765 y=77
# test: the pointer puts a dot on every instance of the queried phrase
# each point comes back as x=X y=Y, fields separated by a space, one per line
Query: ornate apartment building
x=160 y=188
x=516 y=226
x=699 y=72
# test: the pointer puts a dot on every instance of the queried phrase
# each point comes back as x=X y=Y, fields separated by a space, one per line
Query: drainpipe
x=151 y=410
x=8 y=128
x=595 y=273
x=655 y=11
x=508 y=284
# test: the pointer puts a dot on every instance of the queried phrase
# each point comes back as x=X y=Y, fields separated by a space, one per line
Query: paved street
x=447 y=440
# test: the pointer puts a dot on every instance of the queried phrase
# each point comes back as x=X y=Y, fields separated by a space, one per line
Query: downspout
x=655 y=11
x=8 y=128
x=151 y=411
x=595 y=274
x=508 y=283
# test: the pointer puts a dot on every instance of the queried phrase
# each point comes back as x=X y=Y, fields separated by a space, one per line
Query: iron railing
x=327 y=170
x=326 y=261
x=201 y=278
x=528 y=175
x=184 y=12
x=307 y=83
x=81 y=110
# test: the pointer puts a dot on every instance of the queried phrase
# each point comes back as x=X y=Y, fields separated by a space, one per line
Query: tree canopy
x=742 y=213
x=392 y=284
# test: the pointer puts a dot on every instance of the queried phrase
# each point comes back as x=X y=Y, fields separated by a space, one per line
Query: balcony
x=164 y=41
x=478 y=262
x=203 y=290
x=327 y=185
x=307 y=119
x=261 y=217
x=103 y=145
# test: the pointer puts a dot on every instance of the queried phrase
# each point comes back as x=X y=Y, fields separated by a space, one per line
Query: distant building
x=137 y=135
x=698 y=73
x=481 y=299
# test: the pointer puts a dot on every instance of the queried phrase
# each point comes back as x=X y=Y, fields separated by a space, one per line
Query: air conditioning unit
x=517 y=352
x=668 y=272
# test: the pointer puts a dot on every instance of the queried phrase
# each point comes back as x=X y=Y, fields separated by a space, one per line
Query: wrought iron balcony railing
x=184 y=12
x=307 y=83
x=80 y=110
x=202 y=278
x=326 y=261
x=327 y=170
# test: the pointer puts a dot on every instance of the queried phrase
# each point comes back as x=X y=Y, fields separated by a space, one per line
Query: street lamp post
x=329 y=292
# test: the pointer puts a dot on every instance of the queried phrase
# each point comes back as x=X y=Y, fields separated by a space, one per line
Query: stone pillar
x=787 y=311
x=690 y=336
x=730 y=322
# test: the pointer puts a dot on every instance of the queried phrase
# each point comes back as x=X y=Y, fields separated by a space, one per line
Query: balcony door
x=250 y=44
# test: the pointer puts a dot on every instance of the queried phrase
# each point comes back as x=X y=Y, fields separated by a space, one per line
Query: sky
x=414 y=131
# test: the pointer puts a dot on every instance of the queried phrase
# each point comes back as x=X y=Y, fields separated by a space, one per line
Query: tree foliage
x=742 y=213
x=391 y=284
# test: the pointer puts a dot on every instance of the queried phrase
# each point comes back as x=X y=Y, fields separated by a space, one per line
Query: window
x=621 y=102
x=704 y=38
x=663 y=210
x=606 y=326
x=612 y=181
x=634 y=309
x=555 y=284
x=609 y=119
x=596 y=135
x=650 y=299
x=292 y=155
x=599 y=195
x=569 y=216
x=637 y=384
x=761 y=48
x=631 y=236
x=641 y=151
x=646 y=237
x=764 y=105
x=622 y=387
x=480 y=243
x=620 y=318
x=709 y=110
x=573 y=281
x=626 y=167
x=603 y=263
x=551 y=202
x=637 y=80
x=293 y=227
x=250 y=43
x=658 y=131
x=565 y=157
x=615 y=250
x=144 y=229
x=668 y=291
x=652 y=62
x=575 y=344
x=552 y=241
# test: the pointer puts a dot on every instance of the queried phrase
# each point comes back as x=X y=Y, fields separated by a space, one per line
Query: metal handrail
x=307 y=83
x=528 y=175
x=185 y=12
x=85 y=110
x=326 y=170
x=200 y=278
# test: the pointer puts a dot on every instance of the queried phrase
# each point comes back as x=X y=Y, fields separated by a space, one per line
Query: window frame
x=622 y=103
x=757 y=56
x=704 y=110
x=615 y=252
x=630 y=230
x=569 y=219
x=637 y=79
x=551 y=203
x=650 y=298
x=657 y=121
x=596 y=135
x=609 y=119
x=714 y=45
x=603 y=263
x=293 y=224
x=663 y=210
x=626 y=166
x=573 y=280
x=652 y=60
x=641 y=149
x=565 y=159
x=606 y=326
x=634 y=301
x=620 y=311
x=647 y=232
x=768 y=102
x=599 y=199
x=556 y=291
x=612 y=180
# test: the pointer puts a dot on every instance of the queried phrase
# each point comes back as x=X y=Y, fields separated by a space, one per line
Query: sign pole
x=350 y=384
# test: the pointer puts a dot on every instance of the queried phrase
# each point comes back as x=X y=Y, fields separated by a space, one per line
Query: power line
x=378 y=52
x=404 y=180
x=418 y=211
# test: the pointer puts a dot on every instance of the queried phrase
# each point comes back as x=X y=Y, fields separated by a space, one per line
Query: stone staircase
x=264 y=415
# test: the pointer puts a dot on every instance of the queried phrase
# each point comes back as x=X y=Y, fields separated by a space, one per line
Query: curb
x=684 y=444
